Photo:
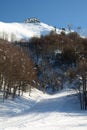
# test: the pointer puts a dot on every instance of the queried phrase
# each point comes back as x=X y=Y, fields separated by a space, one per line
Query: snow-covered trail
x=58 y=112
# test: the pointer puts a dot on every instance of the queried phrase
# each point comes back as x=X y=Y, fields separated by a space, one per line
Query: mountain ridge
x=24 y=31
x=18 y=31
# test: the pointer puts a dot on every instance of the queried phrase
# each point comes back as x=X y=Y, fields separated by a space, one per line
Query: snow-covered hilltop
x=23 y=31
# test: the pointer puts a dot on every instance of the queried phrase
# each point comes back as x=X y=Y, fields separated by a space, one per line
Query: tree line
x=17 y=70
x=65 y=51
x=50 y=61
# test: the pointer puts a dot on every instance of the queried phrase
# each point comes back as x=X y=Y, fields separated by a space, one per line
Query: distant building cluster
x=32 y=20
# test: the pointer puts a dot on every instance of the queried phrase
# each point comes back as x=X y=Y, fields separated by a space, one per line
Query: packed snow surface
x=22 y=31
x=39 y=111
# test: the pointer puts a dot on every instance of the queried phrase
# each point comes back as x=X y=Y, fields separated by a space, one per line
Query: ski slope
x=24 y=31
x=43 y=112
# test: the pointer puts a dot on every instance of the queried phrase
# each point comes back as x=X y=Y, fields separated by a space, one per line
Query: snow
x=24 y=31
x=39 y=111
x=19 y=31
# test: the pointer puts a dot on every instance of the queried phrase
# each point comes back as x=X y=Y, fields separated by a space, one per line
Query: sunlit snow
x=40 y=111
x=20 y=31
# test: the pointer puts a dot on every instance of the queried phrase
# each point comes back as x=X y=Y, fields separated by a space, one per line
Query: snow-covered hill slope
x=43 y=112
x=24 y=31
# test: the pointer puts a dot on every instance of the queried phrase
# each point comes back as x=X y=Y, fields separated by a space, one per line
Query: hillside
x=58 y=68
x=24 y=31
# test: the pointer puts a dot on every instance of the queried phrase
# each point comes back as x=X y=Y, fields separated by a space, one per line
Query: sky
x=57 y=13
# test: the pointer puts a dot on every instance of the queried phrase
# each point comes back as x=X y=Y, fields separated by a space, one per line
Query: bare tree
x=16 y=69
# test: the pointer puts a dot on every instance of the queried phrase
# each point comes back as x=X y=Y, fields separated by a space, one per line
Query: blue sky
x=58 y=13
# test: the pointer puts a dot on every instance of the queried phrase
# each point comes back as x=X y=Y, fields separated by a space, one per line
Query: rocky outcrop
x=32 y=20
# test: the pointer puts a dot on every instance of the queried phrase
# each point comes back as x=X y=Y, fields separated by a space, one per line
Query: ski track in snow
x=57 y=112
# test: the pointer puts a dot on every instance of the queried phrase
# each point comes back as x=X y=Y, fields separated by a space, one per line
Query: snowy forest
x=46 y=63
